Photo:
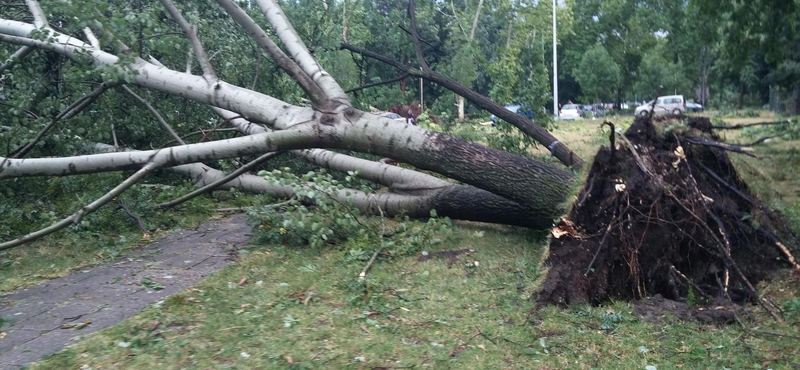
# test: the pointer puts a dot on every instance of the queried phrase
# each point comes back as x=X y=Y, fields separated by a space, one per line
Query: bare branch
x=155 y=113
x=743 y=125
x=191 y=34
x=264 y=42
x=379 y=83
x=297 y=49
x=706 y=142
x=475 y=21
x=75 y=108
x=76 y=217
x=412 y=13
x=91 y=37
x=219 y=182
x=39 y=19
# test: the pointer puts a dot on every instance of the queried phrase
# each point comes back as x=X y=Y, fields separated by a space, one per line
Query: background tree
x=598 y=75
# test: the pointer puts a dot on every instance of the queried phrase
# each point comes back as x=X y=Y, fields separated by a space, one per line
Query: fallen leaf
x=2 y=335
x=481 y=346
x=243 y=281
x=288 y=359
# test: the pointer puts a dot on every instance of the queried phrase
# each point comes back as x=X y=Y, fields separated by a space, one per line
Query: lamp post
x=555 y=65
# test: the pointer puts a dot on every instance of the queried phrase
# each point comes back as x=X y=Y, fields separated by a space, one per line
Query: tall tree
x=598 y=75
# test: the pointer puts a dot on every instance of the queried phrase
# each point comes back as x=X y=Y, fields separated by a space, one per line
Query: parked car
x=393 y=116
x=569 y=112
x=587 y=111
x=674 y=104
x=518 y=109
x=694 y=107
x=598 y=110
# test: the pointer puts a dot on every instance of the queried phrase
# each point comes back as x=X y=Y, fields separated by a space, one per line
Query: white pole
x=555 y=65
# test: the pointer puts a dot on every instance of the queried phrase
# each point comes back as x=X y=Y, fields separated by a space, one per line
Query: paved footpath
x=44 y=319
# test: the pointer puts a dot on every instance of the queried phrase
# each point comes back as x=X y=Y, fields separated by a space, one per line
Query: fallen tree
x=502 y=187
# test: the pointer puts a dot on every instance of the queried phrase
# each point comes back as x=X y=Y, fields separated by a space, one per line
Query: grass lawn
x=305 y=308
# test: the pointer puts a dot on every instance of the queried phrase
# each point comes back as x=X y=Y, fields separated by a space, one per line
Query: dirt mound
x=664 y=213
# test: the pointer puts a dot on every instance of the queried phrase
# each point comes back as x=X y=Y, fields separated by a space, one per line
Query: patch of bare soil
x=664 y=214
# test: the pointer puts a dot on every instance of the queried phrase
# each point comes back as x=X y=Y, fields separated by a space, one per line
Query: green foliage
x=317 y=217
x=598 y=75
x=292 y=223
x=655 y=71
x=792 y=307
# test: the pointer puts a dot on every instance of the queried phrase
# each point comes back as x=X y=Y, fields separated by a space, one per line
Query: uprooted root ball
x=664 y=217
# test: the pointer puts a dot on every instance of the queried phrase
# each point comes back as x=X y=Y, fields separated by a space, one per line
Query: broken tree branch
x=743 y=125
x=219 y=182
x=134 y=216
x=265 y=42
x=706 y=142
x=298 y=51
x=191 y=34
x=76 y=217
x=401 y=77
x=155 y=113
x=75 y=108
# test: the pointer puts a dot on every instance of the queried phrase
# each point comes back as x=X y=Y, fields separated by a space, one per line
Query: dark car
x=518 y=109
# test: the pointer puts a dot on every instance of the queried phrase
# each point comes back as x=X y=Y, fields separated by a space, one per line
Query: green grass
x=310 y=310
x=306 y=309
x=107 y=237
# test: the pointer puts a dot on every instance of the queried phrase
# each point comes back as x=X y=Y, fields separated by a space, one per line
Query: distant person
x=410 y=120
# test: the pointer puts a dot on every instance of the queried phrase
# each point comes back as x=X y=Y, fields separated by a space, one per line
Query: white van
x=674 y=104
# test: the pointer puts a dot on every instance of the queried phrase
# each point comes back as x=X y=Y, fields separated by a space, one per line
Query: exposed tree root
x=664 y=218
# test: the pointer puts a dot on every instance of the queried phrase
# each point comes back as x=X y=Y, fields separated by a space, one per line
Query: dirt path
x=44 y=319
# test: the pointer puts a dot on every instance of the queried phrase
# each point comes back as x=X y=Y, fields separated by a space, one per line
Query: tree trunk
x=460 y=109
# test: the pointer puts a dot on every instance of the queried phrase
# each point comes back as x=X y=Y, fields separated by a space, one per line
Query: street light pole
x=555 y=65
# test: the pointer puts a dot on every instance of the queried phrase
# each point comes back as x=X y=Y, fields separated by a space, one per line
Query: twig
x=775 y=334
x=602 y=243
x=636 y=156
x=216 y=184
x=379 y=83
x=486 y=336
x=743 y=125
x=135 y=217
x=690 y=282
x=409 y=33
x=155 y=113
x=762 y=139
x=363 y=273
x=67 y=113
x=653 y=106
